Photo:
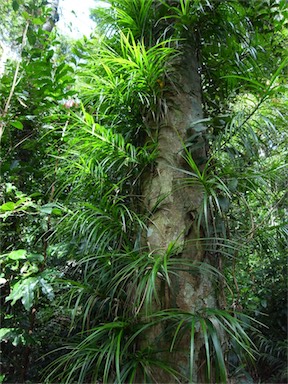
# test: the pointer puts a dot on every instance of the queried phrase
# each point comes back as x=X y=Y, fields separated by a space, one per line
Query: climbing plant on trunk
x=146 y=207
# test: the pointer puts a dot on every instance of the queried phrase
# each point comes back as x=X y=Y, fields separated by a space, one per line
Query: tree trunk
x=174 y=218
x=53 y=16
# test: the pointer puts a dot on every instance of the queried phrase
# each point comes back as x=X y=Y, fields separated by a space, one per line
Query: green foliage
x=253 y=163
x=134 y=17
x=126 y=73
x=216 y=195
x=110 y=356
x=72 y=257
x=107 y=351
x=27 y=277
x=31 y=92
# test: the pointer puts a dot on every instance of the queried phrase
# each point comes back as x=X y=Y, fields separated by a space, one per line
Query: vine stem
x=12 y=90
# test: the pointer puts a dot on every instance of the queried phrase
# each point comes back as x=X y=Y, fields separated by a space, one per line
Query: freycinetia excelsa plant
x=84 y=135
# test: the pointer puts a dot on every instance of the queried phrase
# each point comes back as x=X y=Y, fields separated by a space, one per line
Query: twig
x=252 y=231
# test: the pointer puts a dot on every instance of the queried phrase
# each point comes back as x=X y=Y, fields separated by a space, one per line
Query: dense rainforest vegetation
x=144 y=193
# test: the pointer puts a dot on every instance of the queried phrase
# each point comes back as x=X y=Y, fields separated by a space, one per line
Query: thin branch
x=252 y=231
x=12 y=90
x=247 y=118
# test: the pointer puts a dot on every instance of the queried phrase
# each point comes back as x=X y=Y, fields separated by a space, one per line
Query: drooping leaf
x=17 y=124
x=9 y=206
x=24 y=290
x=51 y=208
x=46 y=289
x=20 y=254
x=35 y=257
x=28 y=288
x=37 y=21
x=31 y=36
x=15 y=5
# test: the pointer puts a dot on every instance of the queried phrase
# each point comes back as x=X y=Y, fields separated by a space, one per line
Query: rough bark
x=53 y=16
x=174 y=218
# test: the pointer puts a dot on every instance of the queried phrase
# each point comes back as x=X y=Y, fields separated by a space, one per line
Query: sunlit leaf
x=20 y=254
x=17 y=124
x=9 y=206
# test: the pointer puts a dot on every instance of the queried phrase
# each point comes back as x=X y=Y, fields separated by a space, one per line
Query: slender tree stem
x=12 y=90
x=247 y=118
